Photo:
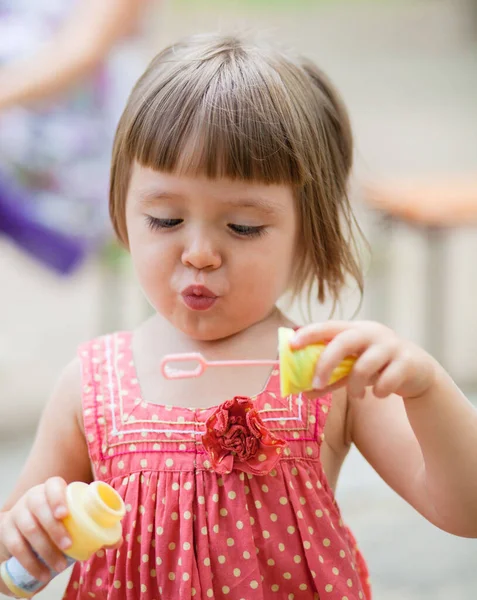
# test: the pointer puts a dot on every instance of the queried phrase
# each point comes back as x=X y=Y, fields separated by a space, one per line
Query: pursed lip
x=199 y=291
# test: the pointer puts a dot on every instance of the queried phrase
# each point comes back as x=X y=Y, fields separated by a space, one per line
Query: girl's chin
x=204 y=326
x=207 y=334
x=204 y=330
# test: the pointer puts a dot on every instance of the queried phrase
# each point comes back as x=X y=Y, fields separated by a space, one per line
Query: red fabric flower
x=237 y=437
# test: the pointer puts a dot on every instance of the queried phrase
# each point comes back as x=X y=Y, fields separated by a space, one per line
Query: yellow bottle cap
x=297 y=367
x=95 y=517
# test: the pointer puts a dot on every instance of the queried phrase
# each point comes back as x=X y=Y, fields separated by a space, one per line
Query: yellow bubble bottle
x=297 y=367
x=94 y=521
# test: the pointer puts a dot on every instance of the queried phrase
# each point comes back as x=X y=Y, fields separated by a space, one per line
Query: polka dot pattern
x=192 y=533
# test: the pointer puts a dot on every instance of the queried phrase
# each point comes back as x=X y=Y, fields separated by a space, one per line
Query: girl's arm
x=60 y=447
x=31 y=517
x=425 y=448
x=407 y=417
x=78 y=48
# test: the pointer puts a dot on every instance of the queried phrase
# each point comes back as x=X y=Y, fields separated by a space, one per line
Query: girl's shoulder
x=59 y=449
x=68 y=391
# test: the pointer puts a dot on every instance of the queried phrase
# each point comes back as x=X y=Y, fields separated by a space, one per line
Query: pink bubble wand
x=297 y=367
x=202 y=364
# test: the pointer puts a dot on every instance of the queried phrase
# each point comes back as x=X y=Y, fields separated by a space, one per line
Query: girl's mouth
x=198 y=297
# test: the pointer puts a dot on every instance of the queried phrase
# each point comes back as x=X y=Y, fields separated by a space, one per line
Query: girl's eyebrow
x=149 y=198
x=260 y=203
x=264 y=205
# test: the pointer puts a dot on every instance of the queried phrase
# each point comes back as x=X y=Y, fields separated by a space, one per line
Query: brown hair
x=224 y=107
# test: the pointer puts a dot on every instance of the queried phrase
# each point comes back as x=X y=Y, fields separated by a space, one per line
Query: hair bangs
x=219 y=119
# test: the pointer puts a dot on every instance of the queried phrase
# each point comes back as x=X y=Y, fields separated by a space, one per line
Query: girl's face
x=212 y=255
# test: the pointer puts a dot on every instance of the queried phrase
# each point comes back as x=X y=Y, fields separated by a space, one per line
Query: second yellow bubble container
x=94 y=521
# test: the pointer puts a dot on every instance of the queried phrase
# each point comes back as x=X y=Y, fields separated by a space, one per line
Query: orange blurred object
x=449 y=202
x=434 y=207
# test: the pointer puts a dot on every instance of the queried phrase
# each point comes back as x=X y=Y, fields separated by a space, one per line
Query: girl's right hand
x=33 y=526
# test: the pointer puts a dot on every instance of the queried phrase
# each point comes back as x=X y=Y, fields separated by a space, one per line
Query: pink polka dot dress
x=228 y=503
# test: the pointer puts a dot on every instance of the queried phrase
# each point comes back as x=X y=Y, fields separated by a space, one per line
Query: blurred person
x=57 y=121
x=229 y=187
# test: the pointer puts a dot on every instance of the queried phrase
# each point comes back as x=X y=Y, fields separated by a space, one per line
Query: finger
x=35 y=525
x=18 y=547
x=318 y=332
x=367 y=369
x=55 y=491
x=55 y=529
x=348 y=343
x=320 y=392
x=390 y=380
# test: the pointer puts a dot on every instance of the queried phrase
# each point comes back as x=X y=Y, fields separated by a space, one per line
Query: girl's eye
x=155 y=223
x=247 y=230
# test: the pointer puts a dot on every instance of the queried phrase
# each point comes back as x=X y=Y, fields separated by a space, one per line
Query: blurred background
x=407 y=70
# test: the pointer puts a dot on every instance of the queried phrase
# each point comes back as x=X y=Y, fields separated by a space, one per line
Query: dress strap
x=99 y=385
x=300 y=418
x=92 y=368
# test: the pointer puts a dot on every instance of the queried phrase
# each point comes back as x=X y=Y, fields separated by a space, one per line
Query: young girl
x=228 y=186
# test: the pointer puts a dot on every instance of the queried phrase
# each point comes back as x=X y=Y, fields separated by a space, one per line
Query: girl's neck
x=156 y=338
x=259 y=340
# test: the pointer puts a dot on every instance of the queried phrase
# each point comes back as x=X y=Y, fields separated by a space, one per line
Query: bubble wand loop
x=203 y=364
x=297 y=367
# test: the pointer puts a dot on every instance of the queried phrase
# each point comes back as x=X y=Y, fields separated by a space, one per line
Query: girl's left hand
x=384 y=362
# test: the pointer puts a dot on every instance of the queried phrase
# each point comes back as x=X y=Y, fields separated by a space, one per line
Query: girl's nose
x=201 y=254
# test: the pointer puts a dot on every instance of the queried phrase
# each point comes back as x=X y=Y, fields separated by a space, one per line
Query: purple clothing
x=54 y=156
